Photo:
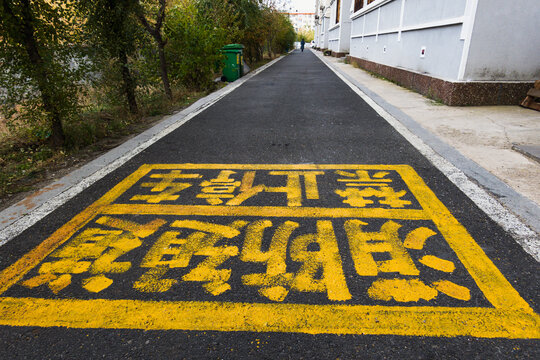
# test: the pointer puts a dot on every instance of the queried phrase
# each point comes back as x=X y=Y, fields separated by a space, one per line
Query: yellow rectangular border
x=511 y=316
x=298 y=318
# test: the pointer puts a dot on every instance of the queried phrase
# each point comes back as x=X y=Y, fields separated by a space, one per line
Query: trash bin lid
x=233 y=47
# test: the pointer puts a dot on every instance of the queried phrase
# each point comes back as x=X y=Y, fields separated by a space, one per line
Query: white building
x=339 y=31
x=462 y=52
x=302 y=20
x=322 y=23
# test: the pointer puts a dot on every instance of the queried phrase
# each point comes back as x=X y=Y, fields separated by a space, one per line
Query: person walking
x=302 y=43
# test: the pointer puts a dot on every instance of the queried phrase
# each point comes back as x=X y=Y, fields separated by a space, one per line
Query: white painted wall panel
x=345 y=37
x=495 y=41
x=333 y=39
x=505 y=42
x=443 y=51
x=390 y=16
x=325 y=37
x=371 y=22
x=357 y=26
x=431 y=29
x=423 y=11
x=442 y=57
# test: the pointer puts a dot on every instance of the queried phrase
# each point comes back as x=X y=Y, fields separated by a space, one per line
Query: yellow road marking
x=453 y=290
x=15 y=272
x=511 y=316
x=263 y=211
x=416 y=238
x=402 y=290
x=437 y=263
x=311 y=319
x=489 y=279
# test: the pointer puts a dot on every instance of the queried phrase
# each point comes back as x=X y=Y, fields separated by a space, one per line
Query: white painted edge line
x=523 y=235
x=108 y=162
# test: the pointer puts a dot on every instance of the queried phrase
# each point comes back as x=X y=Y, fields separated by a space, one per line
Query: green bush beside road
x=75 y=72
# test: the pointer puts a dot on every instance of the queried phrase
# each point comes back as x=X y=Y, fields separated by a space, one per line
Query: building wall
x=340 y=32
x=395 y=32
x=438 y=61
x=333 y=37
x=345 y=30
x=326 y=35
x=333 y=30
x=323 y=10
x=505 y=41
x=455 y=40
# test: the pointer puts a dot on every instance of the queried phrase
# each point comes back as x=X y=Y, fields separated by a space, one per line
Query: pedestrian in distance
x=302 y=43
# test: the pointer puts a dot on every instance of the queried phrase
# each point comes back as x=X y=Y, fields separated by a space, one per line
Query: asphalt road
x=288 y=220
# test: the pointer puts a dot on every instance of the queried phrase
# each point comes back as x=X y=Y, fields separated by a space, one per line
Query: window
x=358 y=4
x=338 y=8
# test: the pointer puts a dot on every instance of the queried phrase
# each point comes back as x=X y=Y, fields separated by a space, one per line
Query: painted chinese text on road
x=293 y=248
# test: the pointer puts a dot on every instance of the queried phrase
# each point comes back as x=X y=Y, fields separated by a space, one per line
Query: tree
x=35 y=57
x=304 y=33
x=112 y=28
x=196 y=31
x=154 y=30
x=284 y=39
x=253 y=27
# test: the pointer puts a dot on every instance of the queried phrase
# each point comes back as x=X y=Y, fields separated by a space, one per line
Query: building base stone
x=339 y=54
x=448 y=92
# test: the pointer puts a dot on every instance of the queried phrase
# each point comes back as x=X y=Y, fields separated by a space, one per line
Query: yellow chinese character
x=364 y=244
x=293 y=187
x=360 y=186
x=360 y=197
x=95 y=250
x=318 y=252
x=247 y=190
x=222 y=187
x=166 y=189
x=275 y=282
x=172 y=250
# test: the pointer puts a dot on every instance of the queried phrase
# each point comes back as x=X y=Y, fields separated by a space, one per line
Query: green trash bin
x=233 y=63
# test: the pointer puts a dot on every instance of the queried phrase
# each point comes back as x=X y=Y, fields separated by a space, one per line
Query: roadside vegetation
x=76 y=76
x=307 y=34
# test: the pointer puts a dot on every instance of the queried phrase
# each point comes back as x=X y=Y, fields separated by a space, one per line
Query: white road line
x=523 y=235
x=18 y=225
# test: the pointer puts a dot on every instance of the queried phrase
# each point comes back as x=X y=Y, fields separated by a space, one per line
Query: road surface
x=288 y=220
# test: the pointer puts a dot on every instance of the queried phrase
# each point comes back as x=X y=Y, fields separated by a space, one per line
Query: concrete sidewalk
x=484 y=135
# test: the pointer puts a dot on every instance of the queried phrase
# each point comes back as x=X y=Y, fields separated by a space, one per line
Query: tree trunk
x=129 y=84
x=156 y=34
x=163 y=66
x=40 y=74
